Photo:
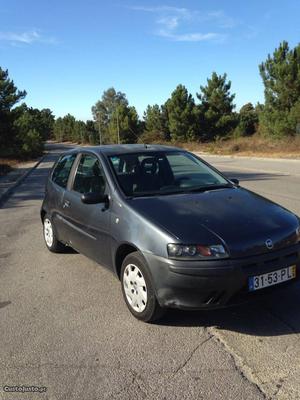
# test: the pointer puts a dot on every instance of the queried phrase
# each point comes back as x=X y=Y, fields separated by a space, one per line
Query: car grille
x=264 y=263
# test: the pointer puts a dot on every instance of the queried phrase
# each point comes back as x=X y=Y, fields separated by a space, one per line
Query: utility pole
x=99 y=130
x=118 y=127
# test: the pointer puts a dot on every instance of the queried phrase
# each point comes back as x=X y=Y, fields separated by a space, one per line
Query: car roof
x=116 y=149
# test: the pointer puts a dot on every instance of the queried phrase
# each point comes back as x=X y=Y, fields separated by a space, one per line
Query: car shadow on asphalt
x=33 y=188
x=271 y=315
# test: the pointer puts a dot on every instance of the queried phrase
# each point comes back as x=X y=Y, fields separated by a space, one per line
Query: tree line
x=23 y=129
x=209 y=116
x=212 y=115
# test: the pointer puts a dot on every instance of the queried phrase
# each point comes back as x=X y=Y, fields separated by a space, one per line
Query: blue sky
x=66 y=53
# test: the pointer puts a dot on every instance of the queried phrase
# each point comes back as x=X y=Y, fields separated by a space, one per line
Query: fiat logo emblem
x=269 y=244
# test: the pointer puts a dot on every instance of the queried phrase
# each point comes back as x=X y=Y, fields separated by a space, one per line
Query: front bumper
x=218 y=283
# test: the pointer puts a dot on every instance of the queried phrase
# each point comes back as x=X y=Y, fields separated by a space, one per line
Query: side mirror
x=235 y=181
x=94 y=198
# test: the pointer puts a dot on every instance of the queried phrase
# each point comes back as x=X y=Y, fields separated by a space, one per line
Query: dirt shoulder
x=254 y=146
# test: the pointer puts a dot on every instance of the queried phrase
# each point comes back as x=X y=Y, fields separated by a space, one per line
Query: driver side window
x=89 y=176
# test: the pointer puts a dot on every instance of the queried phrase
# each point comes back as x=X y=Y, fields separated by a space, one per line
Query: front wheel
x=50 y=236
x=138 y=290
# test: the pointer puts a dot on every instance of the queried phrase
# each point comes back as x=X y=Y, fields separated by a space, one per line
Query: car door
x=55 y=192
x=88 y=224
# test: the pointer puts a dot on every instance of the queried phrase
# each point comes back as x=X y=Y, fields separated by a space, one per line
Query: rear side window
x=89 y=176
x=62 y=170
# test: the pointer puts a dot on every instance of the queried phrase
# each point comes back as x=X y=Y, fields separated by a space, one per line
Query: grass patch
x=256 y=146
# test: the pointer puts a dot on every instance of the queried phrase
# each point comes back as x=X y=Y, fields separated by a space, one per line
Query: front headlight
x=194 y=252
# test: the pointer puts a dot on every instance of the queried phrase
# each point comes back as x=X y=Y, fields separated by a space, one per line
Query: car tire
x=137 y=289
x=50 y=236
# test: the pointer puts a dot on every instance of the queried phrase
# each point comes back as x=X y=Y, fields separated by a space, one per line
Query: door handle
x=66 y=204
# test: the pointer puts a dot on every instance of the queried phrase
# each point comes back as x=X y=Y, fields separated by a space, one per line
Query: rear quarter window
x=61 y=172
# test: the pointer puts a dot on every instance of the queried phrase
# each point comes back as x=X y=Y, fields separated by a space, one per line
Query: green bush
x=152 y=137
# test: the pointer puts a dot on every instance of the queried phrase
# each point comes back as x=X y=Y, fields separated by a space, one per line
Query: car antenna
x=146 y=147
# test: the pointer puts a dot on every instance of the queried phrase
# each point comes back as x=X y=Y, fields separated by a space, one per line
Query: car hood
x=236 y=217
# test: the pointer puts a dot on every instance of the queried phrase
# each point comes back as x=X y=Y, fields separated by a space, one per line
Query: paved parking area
x=64 y=324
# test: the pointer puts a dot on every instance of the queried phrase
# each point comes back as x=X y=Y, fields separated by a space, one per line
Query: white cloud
x=170 y=22
x=174 y=23
x=28 y=37
x=221 y=19
x=183 y=11
x=192 y=37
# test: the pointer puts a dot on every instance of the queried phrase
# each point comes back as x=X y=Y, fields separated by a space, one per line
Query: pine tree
x=9 y=96
x=281 y=77
x=153 y=119
x=216 y=108
x=248 y=120
x=181 y=113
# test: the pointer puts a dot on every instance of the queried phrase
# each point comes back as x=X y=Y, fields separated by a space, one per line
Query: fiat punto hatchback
x=173 y=229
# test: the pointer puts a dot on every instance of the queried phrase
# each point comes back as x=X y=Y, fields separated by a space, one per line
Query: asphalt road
x=64 y=325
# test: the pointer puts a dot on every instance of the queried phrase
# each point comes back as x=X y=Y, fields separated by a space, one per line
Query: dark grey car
x=174 y=230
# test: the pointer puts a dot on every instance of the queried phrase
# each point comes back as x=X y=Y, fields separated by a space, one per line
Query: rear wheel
x=50 y=236
x=138 y=289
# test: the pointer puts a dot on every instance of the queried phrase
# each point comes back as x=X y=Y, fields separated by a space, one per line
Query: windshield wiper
x=209 y=187
x=192 y=190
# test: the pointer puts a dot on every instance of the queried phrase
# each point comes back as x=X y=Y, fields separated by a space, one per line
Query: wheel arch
x=122 y=251
x=43 y=213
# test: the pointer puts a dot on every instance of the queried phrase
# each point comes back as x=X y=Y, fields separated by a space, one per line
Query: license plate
x=272 y=278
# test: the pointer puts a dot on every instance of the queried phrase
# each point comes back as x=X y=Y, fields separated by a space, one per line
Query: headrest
x=149 y=165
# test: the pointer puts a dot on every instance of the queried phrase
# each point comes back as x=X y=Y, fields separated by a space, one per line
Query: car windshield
x=163 y=173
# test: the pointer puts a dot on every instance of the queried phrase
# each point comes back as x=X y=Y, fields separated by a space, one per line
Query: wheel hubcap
x=135 y=288
x=48 y=232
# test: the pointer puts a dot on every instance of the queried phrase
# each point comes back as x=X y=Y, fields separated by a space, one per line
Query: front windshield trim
x=189 y=155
